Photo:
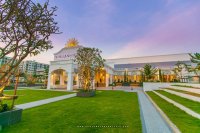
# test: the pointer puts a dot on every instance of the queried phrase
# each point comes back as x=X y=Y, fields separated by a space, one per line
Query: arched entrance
x=59 y=79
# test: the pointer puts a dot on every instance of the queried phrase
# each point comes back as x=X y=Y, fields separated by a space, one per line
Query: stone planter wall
x=149 y=86
x=85 y=94
x=10 y=117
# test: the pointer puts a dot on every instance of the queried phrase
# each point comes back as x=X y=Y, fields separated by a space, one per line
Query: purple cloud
x=177 y=33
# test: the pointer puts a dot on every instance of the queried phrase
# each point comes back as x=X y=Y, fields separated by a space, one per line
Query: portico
x=63 y=70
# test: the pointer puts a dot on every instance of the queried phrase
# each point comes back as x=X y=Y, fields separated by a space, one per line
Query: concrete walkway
x=186 y=89
x=190 y=97
x=45 y=101
x=152 y=121
x=180 y=106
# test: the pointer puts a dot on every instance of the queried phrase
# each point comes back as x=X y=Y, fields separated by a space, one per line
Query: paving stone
x=45 y=101
x=186 y=89
x=180 y=106
x=151 y=119
x=190 y=97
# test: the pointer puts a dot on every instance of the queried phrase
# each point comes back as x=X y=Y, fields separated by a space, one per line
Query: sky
x=127 y=28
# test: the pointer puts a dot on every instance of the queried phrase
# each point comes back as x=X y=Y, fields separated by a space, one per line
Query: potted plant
x=8 y=114
x=89 y=62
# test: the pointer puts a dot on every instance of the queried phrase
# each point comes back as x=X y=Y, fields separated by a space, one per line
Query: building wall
x=32 y=67
x=149 y=59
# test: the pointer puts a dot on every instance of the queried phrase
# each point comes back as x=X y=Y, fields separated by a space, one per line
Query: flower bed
x=85 y=94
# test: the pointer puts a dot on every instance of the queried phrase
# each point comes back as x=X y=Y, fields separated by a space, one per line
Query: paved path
x=186 y=89
x=190 y=97
x=45 y=101
x=180 y=106
x=152 y=121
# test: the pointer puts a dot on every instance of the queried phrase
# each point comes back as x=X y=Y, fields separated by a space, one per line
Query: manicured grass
x=195 y=106
x=185 y=92
x=107 y=108
x=185 y=122
x=26 y=96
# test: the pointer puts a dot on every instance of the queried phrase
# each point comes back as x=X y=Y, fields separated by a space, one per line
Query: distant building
x=33 y=67
x=28 y=66
x=4 y=60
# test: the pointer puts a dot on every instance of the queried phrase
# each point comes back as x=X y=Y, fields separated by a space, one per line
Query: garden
x=108 y=111
x=184 y=121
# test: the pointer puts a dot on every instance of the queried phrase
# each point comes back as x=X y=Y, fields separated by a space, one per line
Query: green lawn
x=33 y=95
x=185 y=92
x=185 y=122
x=107 y=108
x=195 y=106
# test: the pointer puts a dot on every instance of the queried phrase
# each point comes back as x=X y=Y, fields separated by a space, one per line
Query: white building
x=63 y=70
x=32 y=67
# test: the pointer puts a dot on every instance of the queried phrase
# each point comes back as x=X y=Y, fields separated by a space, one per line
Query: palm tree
x=160 y=75
x=178 y=69
x=195 y=58
x=148 y=71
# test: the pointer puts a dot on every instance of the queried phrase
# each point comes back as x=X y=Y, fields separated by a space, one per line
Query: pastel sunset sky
x=128 y=28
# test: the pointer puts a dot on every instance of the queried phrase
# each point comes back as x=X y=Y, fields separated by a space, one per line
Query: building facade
x=33 y=67
x=63 y=70
x=28 y=66
x=4 y=60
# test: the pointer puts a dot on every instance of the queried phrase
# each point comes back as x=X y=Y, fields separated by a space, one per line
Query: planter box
x=85 y=94
x=10 y=117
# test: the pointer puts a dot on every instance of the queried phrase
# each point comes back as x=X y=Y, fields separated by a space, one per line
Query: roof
x=67 y=48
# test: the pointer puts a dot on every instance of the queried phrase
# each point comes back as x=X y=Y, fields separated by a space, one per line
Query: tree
x=160 y=75
x=25 y=30
x=125 y=76
x=30 y=79
x=89 y=62
x=179 y=69
x=7 y=10
x=195 y=58
x=45 y=76
x=148 y=71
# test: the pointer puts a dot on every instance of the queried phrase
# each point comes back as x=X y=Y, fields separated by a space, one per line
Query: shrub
x=4 y=107
x=57 y=82
x=9 y=88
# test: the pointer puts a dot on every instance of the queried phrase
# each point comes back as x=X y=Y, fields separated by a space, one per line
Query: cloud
x=178 y=32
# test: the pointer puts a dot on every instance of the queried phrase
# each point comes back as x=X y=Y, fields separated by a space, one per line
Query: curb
x=144 y=130
x=171 y=125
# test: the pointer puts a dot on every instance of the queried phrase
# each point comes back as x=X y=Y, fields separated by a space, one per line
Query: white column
x=70 y=81
x=49 y=81
x=78 y=84
x=93 y=84
x=107 y=80
x=61 y=79
x=111 y=79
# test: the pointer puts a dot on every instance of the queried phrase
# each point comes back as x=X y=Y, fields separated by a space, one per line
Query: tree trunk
x=199 y=78
x=15 y=90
